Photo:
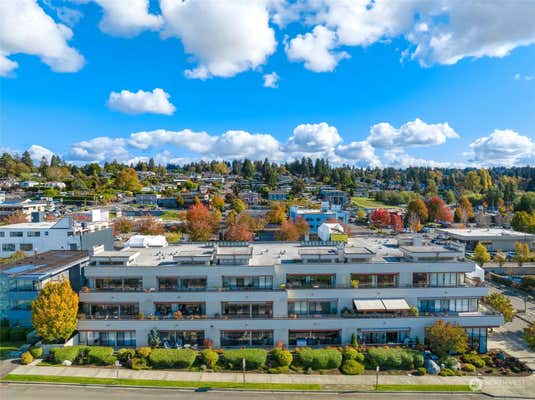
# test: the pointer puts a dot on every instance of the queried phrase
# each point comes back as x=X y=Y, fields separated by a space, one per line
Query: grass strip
x=159 y=383
x=424 y=388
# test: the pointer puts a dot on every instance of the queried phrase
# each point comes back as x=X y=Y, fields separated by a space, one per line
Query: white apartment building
x=91 y=229
x=27 y=207
x=301 y=294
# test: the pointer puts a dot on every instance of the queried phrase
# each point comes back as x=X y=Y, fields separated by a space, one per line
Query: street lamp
x=117 y=365
x=377 y=377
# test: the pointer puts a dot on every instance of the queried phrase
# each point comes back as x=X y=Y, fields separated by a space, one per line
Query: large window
x=247 y=310
x=181 y=338
x=477 y=339
x=437 y=279
x=310 y=281
x=108 y=338
x=110 y=311
x=193 y=283
x=26 y=246
x=375 y=280
x=167 y=284
x=313 y=338
x=246 y=338
x=24 y=305
x=167 y=310
x=449 y=305
x=313 y=307
x=118 y=284
x=8 y=247
x=15 y=234
x=24 y=285
x=365 y=280
x=33 y=234
x=248 y=282
x=384 y=337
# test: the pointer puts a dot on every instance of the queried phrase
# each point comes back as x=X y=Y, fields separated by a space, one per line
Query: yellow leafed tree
x=54 y=311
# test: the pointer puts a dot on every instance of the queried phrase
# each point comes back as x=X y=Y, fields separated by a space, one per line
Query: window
x=108 y=338
x=384 y=337
x=246 y=338
x=167 y=284
x=8 y=247
x=33 y=234
x=314 y=338
x=313 y=307
x=248 y=282
x=365 y=280
x=24 y=305
x=310 y=281
x=193 y=283
x=181 y=338
x=387 y=280
x=166 y=310
x=2 y=234
x=26 y=246
x=247 y=310
x=15 y=234
x=23 y=285
x=118 y=284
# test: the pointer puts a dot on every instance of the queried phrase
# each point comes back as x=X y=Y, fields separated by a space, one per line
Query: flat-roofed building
x=21 y=281
x=494 y=239
x=236 y=294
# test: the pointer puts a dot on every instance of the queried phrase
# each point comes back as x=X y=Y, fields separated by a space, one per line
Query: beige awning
x=371 y=305
x=395 y=304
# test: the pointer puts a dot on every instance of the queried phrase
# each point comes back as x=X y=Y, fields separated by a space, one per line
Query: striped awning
x=370 y=305
x=395 y=304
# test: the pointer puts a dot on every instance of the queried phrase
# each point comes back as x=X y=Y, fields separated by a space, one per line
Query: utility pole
x=243 y=369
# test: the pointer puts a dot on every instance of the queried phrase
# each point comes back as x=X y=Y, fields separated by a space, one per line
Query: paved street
x=518 y=301
x=50 y=392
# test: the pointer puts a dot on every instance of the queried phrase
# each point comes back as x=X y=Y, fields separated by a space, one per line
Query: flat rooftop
x=376 y=250
x=485 y=233
x=43 y=264
x=30 y=225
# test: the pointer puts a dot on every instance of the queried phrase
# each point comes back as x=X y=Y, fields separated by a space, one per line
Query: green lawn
x=424 y=388
x=170 y=215
x=370 y=203
x=159 y=383
x=6 y=347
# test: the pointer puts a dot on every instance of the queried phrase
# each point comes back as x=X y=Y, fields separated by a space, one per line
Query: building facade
x=21 y=281
x=300 y=294
x=64 y=234
x=315 y=217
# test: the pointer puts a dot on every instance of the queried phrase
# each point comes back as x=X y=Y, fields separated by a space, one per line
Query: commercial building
x=27 y=207
x=315 y=217
x=79 y=231
x=233 y=294
x=21 y=281
x=494 y=239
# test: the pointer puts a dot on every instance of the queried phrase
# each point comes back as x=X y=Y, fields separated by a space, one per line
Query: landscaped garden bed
x=347 y=360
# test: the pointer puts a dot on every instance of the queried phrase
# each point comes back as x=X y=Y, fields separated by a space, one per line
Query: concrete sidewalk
x=520 y=387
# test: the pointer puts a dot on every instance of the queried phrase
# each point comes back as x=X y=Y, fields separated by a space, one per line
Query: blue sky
x=469 y=102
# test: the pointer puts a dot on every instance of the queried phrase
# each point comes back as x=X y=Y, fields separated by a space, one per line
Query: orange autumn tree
x=201 y=223
x=381 y=217
x=239 y=231
x=16 y=218
x=54 y=311
x=288 y=232
x=302 y=226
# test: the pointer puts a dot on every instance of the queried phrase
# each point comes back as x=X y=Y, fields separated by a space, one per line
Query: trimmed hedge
x=36 y=352
x=469 y=367
x=473 y=359
x=320 y=358
x=209 y=358
x=350 y=353
x=69 y=353
x=281 y=358
x=143 y=352
x=26 y=358
x=254 y=358
x=352 y=367
x=101 y=355
x=138 y=363
x=393 y=358
x=172 y=358
x=125 y=355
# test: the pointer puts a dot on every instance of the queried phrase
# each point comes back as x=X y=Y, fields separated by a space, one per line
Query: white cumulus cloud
x=412 y=133
x=503 y=147
x=127 y=18
x=198 y=142
x=38 y=152
x=271 y=80
x=316 y=50
x=224 y=37
x=26 y=28
x=358 y=153
x=155 y=102
x=313 y=138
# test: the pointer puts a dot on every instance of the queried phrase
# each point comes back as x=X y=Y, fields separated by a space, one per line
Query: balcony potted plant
x=141 y=315
x=81 y=316
x=355 y=283
x=293 y=316
x=177 y=314
x=345 y=312
x=282 y=286
x=413 y=311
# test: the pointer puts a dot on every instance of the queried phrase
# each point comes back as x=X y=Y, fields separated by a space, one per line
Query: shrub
x=281 y=358
x=144 y=352
x=278 y=370
x=393 y=358
x=36 y=352
x=26 y=358
x=352 y=367
x=138 y=363
x=69 y=353
x=18 y=334
x=4 y=334
x=469 y=367
x=420 y=371
x=101 y=355
x=210 y=358
x=254 y=358
x=447 y=372
x=125 y=355
x=449 y=362
x=350 y=353
x=474 y=359
x=172 y=358
x=320 y=358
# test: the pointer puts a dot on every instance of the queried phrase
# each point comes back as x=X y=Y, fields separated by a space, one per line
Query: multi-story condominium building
x=27 y=207
x=21 y=281
x=301 y=294
x=316 y=217
x=64 y=234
